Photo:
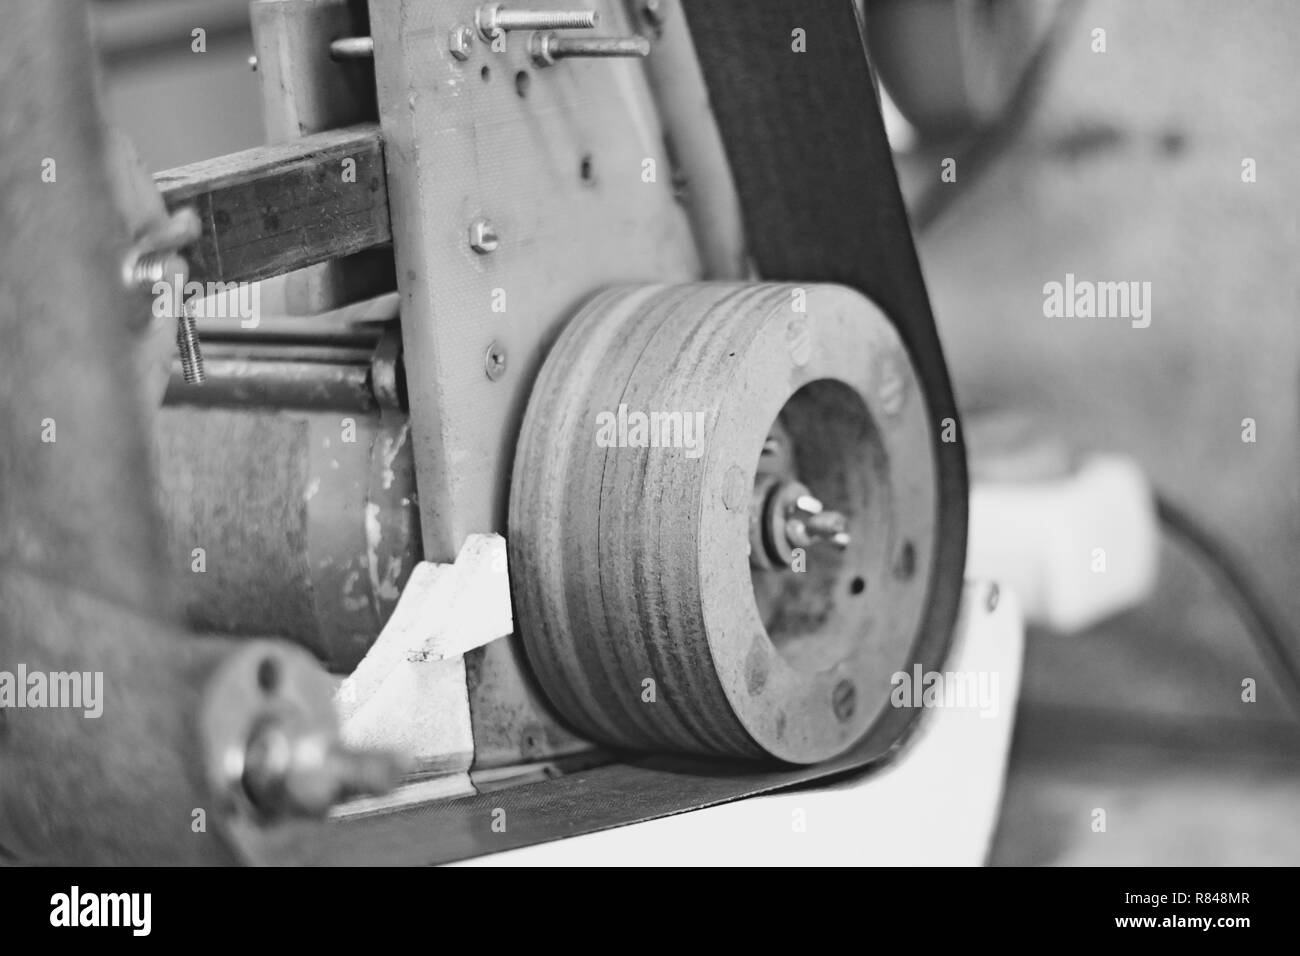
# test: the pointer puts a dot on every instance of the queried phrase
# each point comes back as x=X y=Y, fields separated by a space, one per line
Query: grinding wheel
x=747 y=589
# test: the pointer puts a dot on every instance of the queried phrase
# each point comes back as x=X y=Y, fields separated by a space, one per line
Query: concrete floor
x=1129 y=168
x=1171 y=807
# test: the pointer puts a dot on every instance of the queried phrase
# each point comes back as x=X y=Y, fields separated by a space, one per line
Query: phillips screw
x=494 y=362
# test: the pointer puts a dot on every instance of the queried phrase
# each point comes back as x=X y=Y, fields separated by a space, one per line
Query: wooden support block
x=306 y=91
x=273 y=209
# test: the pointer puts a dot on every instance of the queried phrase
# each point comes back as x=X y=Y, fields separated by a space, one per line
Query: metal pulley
x=647 y=618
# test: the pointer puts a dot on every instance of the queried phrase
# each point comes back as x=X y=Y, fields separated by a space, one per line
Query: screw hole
x=485 y=73
x=906 y=564
x=587 y=170
x=268 y=675
x=857 y=585
x=522 y=79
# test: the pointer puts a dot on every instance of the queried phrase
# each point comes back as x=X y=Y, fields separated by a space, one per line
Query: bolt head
x=459 y=41
x=483 y=237
x=485 y=18
x=539 y=48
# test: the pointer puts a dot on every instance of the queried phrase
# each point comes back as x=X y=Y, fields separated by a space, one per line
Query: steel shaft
x=547 y=48
x=492 y=17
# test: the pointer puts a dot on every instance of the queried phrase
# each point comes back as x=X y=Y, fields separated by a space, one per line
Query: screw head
x=459 y=41
x=252 y=63
x=483 y=237
x=494 y=362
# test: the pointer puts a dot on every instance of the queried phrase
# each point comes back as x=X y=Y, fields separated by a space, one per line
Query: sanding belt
x=821 y=203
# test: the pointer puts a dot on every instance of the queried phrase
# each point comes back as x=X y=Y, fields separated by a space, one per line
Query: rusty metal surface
x=305 y=534
x=513 y=722
x=462 y=143
x=306 y=376
x=552 y=159
x=273 y=209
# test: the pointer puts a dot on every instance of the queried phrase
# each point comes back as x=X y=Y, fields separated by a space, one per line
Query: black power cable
x=1263 y=621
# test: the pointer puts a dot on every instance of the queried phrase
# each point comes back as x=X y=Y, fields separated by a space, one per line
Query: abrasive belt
x=821 y=203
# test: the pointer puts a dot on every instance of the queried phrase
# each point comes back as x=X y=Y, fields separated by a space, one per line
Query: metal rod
x=492 y=17
x=547 y=48
x=234 y=380
x=353 y=48
x=187 y=342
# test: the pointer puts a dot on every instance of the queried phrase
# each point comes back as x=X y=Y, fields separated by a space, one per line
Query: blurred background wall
x=1130 y=168
x=179 y=106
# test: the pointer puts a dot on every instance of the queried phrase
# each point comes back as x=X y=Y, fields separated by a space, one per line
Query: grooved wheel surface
x=629 y=548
